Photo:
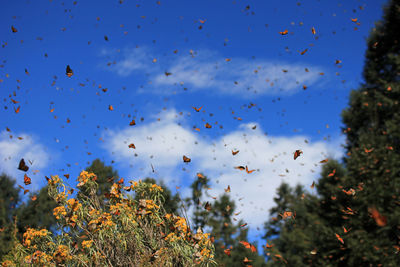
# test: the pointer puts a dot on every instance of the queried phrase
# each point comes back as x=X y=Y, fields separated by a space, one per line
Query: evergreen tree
x=372 y=124
x=354 y=220
x=9 y=198
x=37 y=212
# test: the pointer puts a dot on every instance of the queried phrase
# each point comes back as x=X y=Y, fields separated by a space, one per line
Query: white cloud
x=28 y=148
x=206 y=70
x=163 y=143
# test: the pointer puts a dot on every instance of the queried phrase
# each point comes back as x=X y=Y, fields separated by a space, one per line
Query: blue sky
x=225 y=56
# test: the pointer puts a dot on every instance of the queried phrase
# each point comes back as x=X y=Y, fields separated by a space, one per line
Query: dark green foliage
x=369 y=179
x=37 y=213
x=9 y=198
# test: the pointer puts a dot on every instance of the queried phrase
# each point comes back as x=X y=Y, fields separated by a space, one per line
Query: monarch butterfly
x=284 y=32
x=69 y=71
x=22 y=166
x=27 y=180
x=186 y=159
x=297 y=154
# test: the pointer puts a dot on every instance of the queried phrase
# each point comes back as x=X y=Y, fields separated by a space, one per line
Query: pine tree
x=372 y=125
x=355 y=218
x=9 y=198
x=36 y=212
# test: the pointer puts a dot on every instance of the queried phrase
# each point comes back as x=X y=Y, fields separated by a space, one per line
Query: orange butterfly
x=227 y=252
x=235 y=152
x=249 y=171
x=208 y=126
x=228 y=189
x=199 y=175
x=69 y=71
x=339 y=238
x=297 y=153
x=240 y=168
x=13 y=29
x=207 y=206
x=284 y=32
x=27 y=180
x=379 y=219
x=22 y=166
x=132 y=146
x=198 y=109
x=313 y=30
x=332 y=173
x=324 y=161
x=186 y=159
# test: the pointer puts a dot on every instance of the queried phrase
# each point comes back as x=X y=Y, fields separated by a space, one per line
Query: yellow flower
x=59 y=211
x=74 y=204
x=87 y=243
x=156 y=188
x=85 y=176
x=62 y=254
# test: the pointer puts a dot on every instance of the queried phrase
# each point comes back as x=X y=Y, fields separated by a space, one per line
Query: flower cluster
x=85 y=177
x=116 y=230
x=31 y=234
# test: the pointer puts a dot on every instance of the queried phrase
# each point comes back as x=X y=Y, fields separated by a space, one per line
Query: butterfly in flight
x=69 y=71
x=186 y=159
x=297 y=153
x=22 y=166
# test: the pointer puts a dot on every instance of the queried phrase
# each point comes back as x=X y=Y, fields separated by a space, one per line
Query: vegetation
x=354 y=220
x=123 y=232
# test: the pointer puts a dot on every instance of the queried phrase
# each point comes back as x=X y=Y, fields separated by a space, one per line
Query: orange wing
x=284 y=32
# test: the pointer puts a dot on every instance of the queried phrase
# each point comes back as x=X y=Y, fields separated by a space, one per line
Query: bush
x=121 y=231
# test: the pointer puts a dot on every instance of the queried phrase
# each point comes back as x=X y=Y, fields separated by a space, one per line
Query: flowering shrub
x=121 y=231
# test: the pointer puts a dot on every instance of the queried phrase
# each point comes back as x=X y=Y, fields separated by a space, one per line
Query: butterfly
x=208 y=126
x=69 y=71
x=186 y=159
x=13 y=29
x=313 y=30
x=339 y=238
x=235 y=152
x=22 y=166
x=207 y=206
x=379 y=219
x=284 y=32
x=249 y=171
x=27 y=180
x=132 y=123
x=297 y=153
x=132 y=146
x=197 y=109
x=240 y=168
x=199 y=175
